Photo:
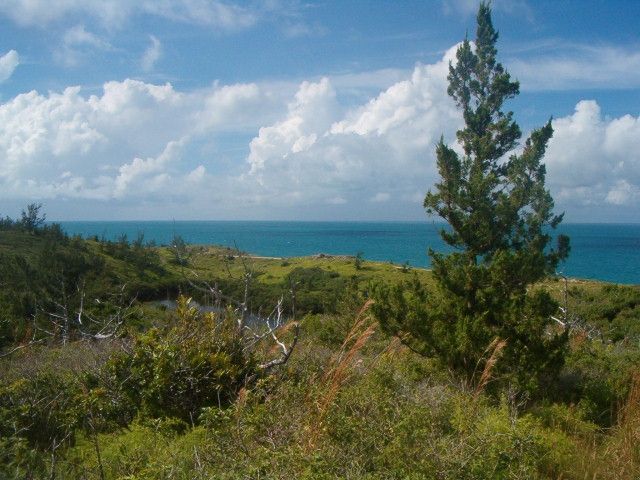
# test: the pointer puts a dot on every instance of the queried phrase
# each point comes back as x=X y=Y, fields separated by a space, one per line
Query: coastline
x=604 y=252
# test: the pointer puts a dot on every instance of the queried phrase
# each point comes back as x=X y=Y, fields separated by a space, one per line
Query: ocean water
x=609 y=252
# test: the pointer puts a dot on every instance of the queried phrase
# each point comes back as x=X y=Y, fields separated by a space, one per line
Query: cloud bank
x=151 y=151
x=594 y=161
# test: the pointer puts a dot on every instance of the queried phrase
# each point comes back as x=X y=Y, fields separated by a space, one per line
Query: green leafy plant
x=198 y=362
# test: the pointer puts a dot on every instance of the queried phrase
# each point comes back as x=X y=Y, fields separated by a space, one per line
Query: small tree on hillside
x=179 y=250
x=31 y=220
x=499 y=213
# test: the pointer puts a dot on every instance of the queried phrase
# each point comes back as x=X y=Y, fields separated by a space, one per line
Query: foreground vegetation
x=487 y=367
x=177 y=393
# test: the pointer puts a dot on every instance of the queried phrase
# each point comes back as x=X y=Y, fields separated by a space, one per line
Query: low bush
x=175 y=371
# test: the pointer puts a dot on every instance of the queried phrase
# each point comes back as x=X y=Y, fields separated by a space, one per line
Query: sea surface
x=609 y=252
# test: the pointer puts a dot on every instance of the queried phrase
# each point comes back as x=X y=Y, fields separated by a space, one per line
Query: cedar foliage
x=499 y=212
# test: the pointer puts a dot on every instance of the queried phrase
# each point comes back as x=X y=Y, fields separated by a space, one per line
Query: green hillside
x=184 y=394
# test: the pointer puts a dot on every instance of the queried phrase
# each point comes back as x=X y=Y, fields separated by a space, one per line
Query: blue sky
x=276 y=109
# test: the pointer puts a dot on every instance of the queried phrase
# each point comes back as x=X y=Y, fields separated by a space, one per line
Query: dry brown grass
x=623 y=450
x=494 y=350
x=614 y=455
x=339 y=371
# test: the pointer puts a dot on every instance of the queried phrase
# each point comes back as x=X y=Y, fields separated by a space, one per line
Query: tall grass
x=614 y=455
x=623 y=450
x=339 y=371
x=494 y=350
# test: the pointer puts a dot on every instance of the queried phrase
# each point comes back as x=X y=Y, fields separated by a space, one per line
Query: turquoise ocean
x=609 y=252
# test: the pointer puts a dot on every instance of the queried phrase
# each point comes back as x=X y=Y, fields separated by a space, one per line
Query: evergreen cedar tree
x=499 y=213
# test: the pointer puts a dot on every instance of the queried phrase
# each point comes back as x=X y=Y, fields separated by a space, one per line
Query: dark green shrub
x=613 y=309
x=39 y=412
x=317 y=290
x=596 y=378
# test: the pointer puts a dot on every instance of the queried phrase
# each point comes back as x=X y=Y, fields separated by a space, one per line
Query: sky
x=298 y=110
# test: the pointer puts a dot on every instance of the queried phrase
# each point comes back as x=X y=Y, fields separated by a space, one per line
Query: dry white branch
x=570 y=321
x=252 y=328
x=65 y=321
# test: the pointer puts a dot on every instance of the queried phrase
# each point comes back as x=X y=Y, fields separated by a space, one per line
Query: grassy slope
x=221 y=262
x=597 y=301
x=16 y=242
x=215 y=261
x=392 y=414
x=601 y=303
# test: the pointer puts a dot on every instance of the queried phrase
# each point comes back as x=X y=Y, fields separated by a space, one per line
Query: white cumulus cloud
x=593 y=160
x=312 y=112
x=125 y=142
x=320 y=152
x=298 y=151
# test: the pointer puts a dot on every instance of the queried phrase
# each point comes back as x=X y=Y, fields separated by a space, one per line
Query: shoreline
x=600 y=252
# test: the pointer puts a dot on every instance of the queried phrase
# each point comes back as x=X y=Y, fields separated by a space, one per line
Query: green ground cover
x=176 y=394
